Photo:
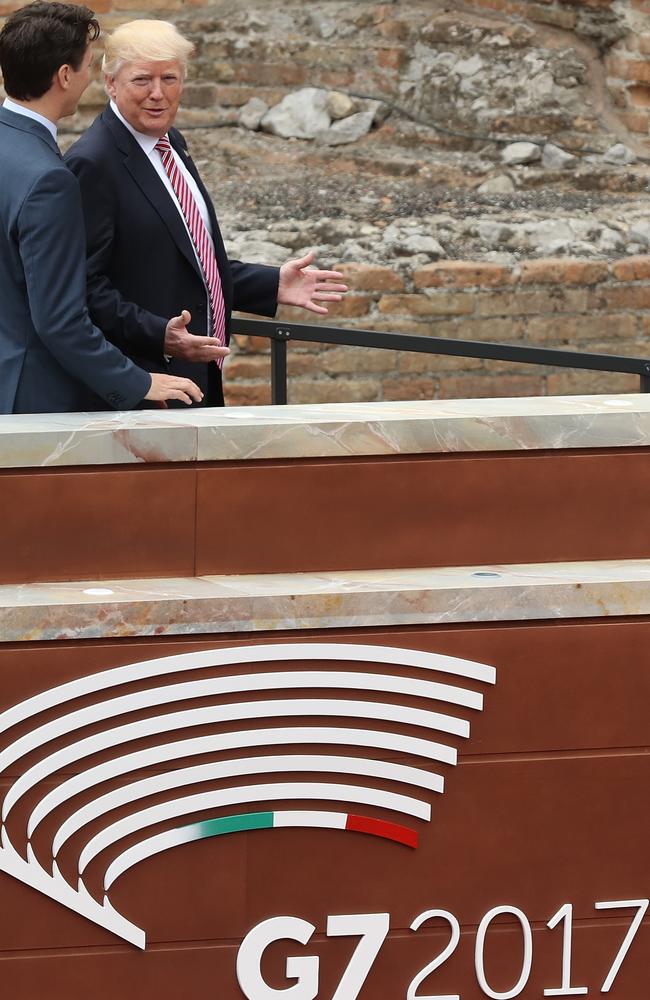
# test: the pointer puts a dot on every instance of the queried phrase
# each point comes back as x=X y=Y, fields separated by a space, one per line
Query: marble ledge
x=245 y=604
x=332 y=430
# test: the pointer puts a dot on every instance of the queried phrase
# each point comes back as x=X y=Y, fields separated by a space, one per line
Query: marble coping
x=328 y=430
x=224 y=604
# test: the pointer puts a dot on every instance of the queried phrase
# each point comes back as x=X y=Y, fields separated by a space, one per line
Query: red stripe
x=379 y=828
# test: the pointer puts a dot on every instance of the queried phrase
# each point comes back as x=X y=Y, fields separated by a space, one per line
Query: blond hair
x=144 y=41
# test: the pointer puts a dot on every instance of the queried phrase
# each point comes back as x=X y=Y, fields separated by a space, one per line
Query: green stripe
x=231 y=824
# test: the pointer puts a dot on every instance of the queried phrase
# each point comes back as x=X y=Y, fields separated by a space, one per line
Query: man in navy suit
x=52 y=358
x=154 y=246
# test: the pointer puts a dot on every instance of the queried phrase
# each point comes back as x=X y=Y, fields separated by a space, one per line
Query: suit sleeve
x=255 y=288
x=50 y=233
x=134 y=330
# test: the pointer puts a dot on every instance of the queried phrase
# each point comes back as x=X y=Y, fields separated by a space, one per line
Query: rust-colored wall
x=546 y=807
x=324 y=514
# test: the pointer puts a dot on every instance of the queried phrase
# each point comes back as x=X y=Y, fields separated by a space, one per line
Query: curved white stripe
x=270 y=709
x=148 y=848
x=300 y=817
x=215 y=715
x=217 y=686
x=249 y=793
x=128 y=794
x=56 y=888
x=161 y=753
x=271 y=652
x=188 y=834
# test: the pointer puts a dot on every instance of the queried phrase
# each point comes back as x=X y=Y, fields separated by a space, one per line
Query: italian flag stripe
x=234 y=824
x=379 y=828
x=303 y=818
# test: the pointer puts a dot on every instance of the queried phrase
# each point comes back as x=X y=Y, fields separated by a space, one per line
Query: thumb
x=182 y=320
x=305 y=261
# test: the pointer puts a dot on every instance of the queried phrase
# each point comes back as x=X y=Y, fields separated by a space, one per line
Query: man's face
x=148 y=94
x=78 y=80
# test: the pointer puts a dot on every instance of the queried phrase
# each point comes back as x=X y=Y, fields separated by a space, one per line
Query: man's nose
x=156 y=90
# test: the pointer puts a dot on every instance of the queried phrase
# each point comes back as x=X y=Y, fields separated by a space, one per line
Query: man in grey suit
x=52 y=358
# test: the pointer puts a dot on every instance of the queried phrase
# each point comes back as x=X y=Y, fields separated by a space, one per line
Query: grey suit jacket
x=52 y=358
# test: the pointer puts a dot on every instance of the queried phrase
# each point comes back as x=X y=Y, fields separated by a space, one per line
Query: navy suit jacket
x=52 y=358
x=142 y=269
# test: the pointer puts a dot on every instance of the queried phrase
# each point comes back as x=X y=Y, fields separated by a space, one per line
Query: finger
x=207 y=352
x=312 y=307
x=328 y=286
x=185 y=387
x=186 y=316
x=210 y=342
x=327 y=275
x=305 y=261
x=327 y=297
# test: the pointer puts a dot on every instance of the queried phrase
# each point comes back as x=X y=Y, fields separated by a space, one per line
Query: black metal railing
x=281 y=333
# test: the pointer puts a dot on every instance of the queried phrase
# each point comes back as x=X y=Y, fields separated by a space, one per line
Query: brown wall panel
x=317 y=515
x=435 y=511
x=560 y=686
x=96 y=524
x=208 y=969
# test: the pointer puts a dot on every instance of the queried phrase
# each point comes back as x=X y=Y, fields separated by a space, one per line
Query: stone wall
x=541 y=63
x=438 y=231
x=575 y=304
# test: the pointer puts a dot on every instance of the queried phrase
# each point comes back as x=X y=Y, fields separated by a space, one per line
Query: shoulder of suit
x=28 y=162
x=91 y=144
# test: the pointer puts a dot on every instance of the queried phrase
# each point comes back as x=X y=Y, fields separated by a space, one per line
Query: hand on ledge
x=165 y=387
x=180 y=343
x=305 y=287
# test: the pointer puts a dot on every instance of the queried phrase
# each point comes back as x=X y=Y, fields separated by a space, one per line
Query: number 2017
x=372 y=929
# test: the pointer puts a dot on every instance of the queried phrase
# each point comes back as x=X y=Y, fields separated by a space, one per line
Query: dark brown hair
x=40 y=38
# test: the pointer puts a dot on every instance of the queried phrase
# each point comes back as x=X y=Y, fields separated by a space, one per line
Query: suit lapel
x=144 y=175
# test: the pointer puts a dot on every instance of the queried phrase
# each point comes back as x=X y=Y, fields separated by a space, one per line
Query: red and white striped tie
x=200 y=238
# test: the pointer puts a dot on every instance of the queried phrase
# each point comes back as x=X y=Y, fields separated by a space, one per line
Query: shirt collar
x=20 y=109
x=146 y=142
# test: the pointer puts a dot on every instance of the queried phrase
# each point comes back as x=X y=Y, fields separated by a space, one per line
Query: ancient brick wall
x=268 y=49
x=579 y=73
x=584 y=305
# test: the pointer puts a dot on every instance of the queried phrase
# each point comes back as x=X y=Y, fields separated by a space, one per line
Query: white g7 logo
x=372 y=927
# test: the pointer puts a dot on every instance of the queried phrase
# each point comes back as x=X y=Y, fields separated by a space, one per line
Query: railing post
x=645 y=379
x=279 y=365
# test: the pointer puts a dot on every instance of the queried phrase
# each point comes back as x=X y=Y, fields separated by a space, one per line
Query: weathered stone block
x=460 y=274
x=563 y=270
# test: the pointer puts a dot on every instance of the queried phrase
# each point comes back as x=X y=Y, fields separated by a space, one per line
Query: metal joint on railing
x=281 y=333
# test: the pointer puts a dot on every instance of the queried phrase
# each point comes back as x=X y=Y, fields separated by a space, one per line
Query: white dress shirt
x=19 y=109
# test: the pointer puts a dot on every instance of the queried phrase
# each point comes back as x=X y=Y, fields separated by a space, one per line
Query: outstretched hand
x=180 y=343
x=303 y=286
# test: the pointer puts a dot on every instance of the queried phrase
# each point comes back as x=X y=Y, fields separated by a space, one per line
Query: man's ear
x=63 y=76
x=109 y=85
